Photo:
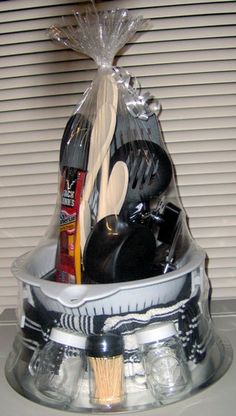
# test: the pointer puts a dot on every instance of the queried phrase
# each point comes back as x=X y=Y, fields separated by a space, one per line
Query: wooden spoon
x=108 y=92
x=101 y=136
x=116 y=191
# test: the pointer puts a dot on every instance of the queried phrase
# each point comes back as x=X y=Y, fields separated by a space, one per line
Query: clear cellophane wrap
x=118 y=216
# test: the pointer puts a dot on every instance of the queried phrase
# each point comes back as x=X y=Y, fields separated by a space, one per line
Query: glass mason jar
x=59 y=367
x=167 y=373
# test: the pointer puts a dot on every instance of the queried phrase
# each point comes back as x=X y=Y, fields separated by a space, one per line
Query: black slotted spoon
x=150 y=169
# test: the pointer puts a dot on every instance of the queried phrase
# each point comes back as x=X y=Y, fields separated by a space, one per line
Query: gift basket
x=114 y=300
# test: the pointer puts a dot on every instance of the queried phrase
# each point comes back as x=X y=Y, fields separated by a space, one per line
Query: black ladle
x=150 y=169
x=116 y=251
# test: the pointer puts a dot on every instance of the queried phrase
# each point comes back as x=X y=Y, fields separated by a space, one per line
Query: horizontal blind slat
x=157 y=32
x=20 y=4
x=174 y=11
x=127 y=60
x=150 y=78
x=141 y=48
x=21 y=213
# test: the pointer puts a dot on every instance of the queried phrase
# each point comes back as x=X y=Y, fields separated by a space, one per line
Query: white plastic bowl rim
x=30 y=267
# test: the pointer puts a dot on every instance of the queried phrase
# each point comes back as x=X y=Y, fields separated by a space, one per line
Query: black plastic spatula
x=75 y=142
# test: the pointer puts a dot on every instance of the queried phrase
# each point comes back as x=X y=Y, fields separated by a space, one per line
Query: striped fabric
x=193 y=328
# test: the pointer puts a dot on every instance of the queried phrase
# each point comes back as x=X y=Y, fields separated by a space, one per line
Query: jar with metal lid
x=106 y=370
x=59 y=367
x=167 y=373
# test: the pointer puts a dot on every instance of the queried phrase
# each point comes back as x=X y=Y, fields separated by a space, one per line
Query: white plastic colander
x=94 y=299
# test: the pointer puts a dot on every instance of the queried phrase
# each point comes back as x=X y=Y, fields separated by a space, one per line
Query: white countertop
x=219 y=399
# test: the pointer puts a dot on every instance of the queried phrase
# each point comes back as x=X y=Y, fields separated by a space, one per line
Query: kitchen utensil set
x=114 y=249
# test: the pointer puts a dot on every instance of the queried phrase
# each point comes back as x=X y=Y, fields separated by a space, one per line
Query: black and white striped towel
x=193 y=331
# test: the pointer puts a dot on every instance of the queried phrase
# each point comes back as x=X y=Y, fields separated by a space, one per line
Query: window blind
x=187 y=59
